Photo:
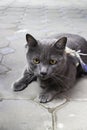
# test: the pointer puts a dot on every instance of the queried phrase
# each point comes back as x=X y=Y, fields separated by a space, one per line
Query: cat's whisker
x=62 y=76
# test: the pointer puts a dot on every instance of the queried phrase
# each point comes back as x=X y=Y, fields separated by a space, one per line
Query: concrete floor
x=22 y=110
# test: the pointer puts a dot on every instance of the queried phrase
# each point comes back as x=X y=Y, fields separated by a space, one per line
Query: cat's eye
x=36 y=61
x=52 y=62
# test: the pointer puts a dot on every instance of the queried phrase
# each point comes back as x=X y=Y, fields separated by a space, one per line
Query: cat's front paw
x=19 y=86
x=45 y=97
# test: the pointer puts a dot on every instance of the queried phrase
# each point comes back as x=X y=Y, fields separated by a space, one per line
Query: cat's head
x=47 y=58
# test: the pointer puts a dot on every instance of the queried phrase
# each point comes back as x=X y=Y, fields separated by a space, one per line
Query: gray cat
x=51 y=66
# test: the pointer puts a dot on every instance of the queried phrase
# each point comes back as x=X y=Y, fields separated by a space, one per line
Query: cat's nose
x=43 y=73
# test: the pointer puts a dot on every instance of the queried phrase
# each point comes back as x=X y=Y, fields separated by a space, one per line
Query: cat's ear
x=61 y=43
x=31 y=41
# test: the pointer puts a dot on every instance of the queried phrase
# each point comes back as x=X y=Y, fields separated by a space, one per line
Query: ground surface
x=21 y=110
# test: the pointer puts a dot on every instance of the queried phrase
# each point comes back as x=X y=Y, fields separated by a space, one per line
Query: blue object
x=84 y=67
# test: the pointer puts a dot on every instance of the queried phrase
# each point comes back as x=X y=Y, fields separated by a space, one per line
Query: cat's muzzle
x=43 y=75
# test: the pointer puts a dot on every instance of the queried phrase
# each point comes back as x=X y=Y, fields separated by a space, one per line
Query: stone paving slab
x=6 y=50
x=4 y=43
x=0 y=58
x=3 y=69
x=71 y=117
x=23 y=115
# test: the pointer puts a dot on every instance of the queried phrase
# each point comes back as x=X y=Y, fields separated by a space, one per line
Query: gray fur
x=54 y=78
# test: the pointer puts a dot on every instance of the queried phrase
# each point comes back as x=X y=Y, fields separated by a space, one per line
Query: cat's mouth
x=42 y=77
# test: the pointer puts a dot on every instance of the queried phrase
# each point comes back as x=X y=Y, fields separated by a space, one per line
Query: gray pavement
x=22 y=110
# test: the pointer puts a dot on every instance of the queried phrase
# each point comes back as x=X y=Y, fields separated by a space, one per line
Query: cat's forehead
x=47 y=41
x=46 y=47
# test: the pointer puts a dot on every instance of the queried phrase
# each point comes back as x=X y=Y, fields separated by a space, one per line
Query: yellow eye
x=36 y=61
x=53 y=62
